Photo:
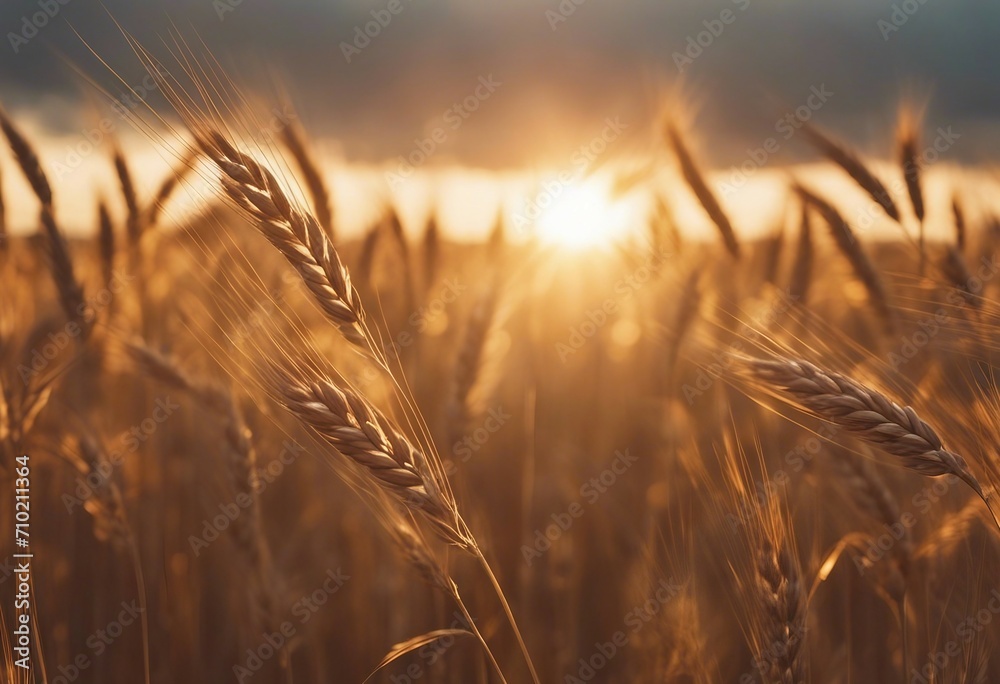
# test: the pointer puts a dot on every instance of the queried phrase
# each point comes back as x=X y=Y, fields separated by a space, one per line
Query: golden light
x=584 y=216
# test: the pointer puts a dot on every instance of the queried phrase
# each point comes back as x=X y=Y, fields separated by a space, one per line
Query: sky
x=522 y=84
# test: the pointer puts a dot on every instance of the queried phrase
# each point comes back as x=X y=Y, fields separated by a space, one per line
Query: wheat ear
x=865 y=413
x=399 y=237
x=772 y=254
x=850 y=247
x=298 y=236
x=908 y=142
x=294 y=139
x=432 y=252
x=844 y=157
x=801 y=276
x=781 y=597
x=3 y=220
x=168 y=186
x=696 y=181
x=71 y=295
x=105 y=242
x=356 y=429
x=956 y=210
x=133 y=221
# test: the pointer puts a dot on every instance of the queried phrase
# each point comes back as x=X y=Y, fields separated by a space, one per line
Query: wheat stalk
x=240 y=466
x=27 y=160
x=399 y=237
x=107 y=507
x=344 y=419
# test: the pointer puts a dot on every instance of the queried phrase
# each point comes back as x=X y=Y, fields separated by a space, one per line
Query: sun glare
x=584 y=216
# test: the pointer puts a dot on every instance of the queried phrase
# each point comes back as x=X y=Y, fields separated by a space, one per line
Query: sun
x=584 y=216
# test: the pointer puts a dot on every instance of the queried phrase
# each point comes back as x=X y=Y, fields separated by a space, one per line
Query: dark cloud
x=608 y=57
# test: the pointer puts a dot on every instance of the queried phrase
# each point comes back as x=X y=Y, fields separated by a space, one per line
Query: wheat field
x=261 y=450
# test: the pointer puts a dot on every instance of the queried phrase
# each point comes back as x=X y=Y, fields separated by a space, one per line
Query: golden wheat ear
x=849 y=245
x=864 y=413
x=71 y=294
x=908 y=153
x=297 y=235
x=699 y=186
x=295 y=140
x=848 y=160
